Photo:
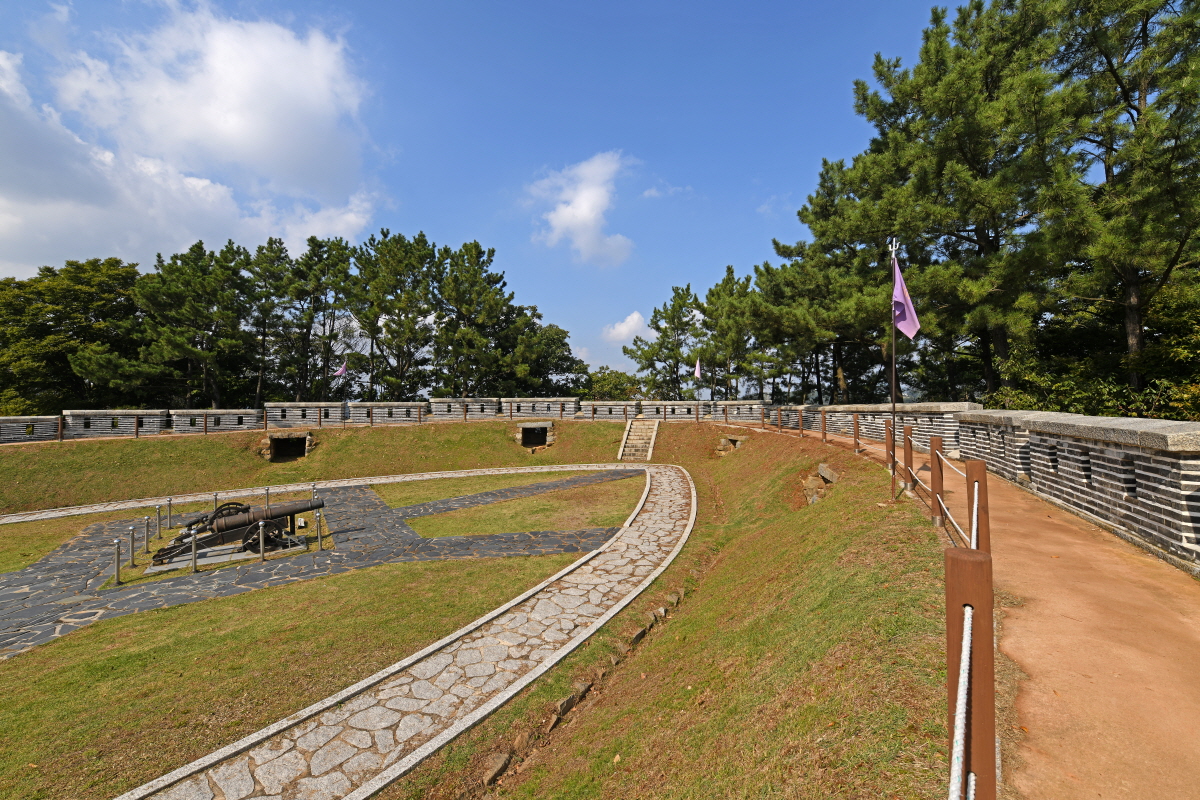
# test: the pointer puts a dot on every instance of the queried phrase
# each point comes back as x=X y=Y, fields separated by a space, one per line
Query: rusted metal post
x=823 y=436
x=910 y=478
x=857 y=447
x=936 y=480
x=889 y=446
x=117 y=561
x=977 y=475
x=969 y=583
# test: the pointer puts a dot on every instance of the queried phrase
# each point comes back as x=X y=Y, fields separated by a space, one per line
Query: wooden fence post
x=370 y=416
x=823 y=436
x=977 y=473
x=857 y=448
x=935 y=480
x=762 y=415
x=969 y=583
x=910 y=478
x=60 y=427
x=726 y=415
x=419 y=409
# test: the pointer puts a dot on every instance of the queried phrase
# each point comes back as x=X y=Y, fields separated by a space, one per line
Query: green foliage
x=669 y=357
x=610 y=384
x=235 y=329
x=1039 y=166
x=53 y=319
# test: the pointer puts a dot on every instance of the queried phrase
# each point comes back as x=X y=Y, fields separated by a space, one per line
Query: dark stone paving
x=60 y=593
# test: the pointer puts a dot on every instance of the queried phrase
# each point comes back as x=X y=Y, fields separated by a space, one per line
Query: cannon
x=249 y=528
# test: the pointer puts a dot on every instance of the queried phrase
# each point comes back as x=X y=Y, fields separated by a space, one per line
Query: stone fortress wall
x=1139 y=478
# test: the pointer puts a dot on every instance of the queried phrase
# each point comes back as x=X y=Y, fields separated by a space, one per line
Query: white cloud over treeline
x=204 y=126
x=582 y=195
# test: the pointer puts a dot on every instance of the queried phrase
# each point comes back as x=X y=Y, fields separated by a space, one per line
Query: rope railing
x=947 y=463
x=958 y=749
x=950 y=517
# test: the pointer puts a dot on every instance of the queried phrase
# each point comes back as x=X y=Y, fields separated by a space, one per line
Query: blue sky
x=608 y=151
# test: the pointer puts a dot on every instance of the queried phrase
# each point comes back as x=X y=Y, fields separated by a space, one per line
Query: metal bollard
x=117 y=561
x=158 y=522
x=268 y=491
x=192 y=533
x=314 y=491
x=147 y=535
x=262 y=541
x=170 y=524
x=132 y=547
x=214 y=501
x=320 y=543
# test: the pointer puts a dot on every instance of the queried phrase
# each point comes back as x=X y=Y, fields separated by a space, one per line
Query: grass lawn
x=123 y=701
x=805 y=660
x=601 y=505
x=24 y=543
x=54 y=474
x=398 y=495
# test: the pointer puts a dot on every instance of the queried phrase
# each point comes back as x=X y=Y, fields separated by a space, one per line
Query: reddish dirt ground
x=1109 y=637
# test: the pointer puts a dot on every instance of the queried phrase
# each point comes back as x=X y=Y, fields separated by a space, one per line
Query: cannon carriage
x=247 y=528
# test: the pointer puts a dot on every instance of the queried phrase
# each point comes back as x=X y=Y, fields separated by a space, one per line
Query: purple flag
x=697 y=367
x=342 y=370
x=903 y=313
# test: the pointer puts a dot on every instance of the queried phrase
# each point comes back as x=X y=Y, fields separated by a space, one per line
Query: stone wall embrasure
x=477 y=408
x=389 y=412
x=675 y=410
x=294 y=415
x=28 y=429
x=539 y=407
x=1139 y=477
x=215 y=420
x=608 y=410
x=120 y=422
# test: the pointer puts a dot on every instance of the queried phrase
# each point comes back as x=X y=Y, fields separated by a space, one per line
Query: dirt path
x=1110 y=639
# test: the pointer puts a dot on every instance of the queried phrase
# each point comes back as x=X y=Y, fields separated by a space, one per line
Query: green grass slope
x=804 y=661
x=71 y=473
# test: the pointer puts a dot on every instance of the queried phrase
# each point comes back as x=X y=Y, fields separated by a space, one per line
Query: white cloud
x=583 y=194
x=665 y=190
x=624 y=331
x=204 y=128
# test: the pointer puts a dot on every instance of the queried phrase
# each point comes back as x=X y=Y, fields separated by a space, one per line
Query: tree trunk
x=1000 y=348
x=817 y=373
x=1135 y=335
x=989 y=367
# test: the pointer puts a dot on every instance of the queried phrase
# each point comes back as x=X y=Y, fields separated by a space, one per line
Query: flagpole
x=892 y=444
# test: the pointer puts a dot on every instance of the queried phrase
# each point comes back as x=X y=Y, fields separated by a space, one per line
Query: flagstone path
x=356 y=742
x=60 y=593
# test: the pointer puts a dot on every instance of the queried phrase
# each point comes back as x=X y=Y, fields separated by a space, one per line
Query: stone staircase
x=638 y=443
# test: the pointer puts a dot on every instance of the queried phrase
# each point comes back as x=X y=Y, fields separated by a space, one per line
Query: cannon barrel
x=260 y=513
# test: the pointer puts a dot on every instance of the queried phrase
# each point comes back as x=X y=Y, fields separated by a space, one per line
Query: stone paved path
x=354 y=743
x=60 y=593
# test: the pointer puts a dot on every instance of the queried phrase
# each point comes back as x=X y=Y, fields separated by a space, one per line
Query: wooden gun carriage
x=250 y=528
